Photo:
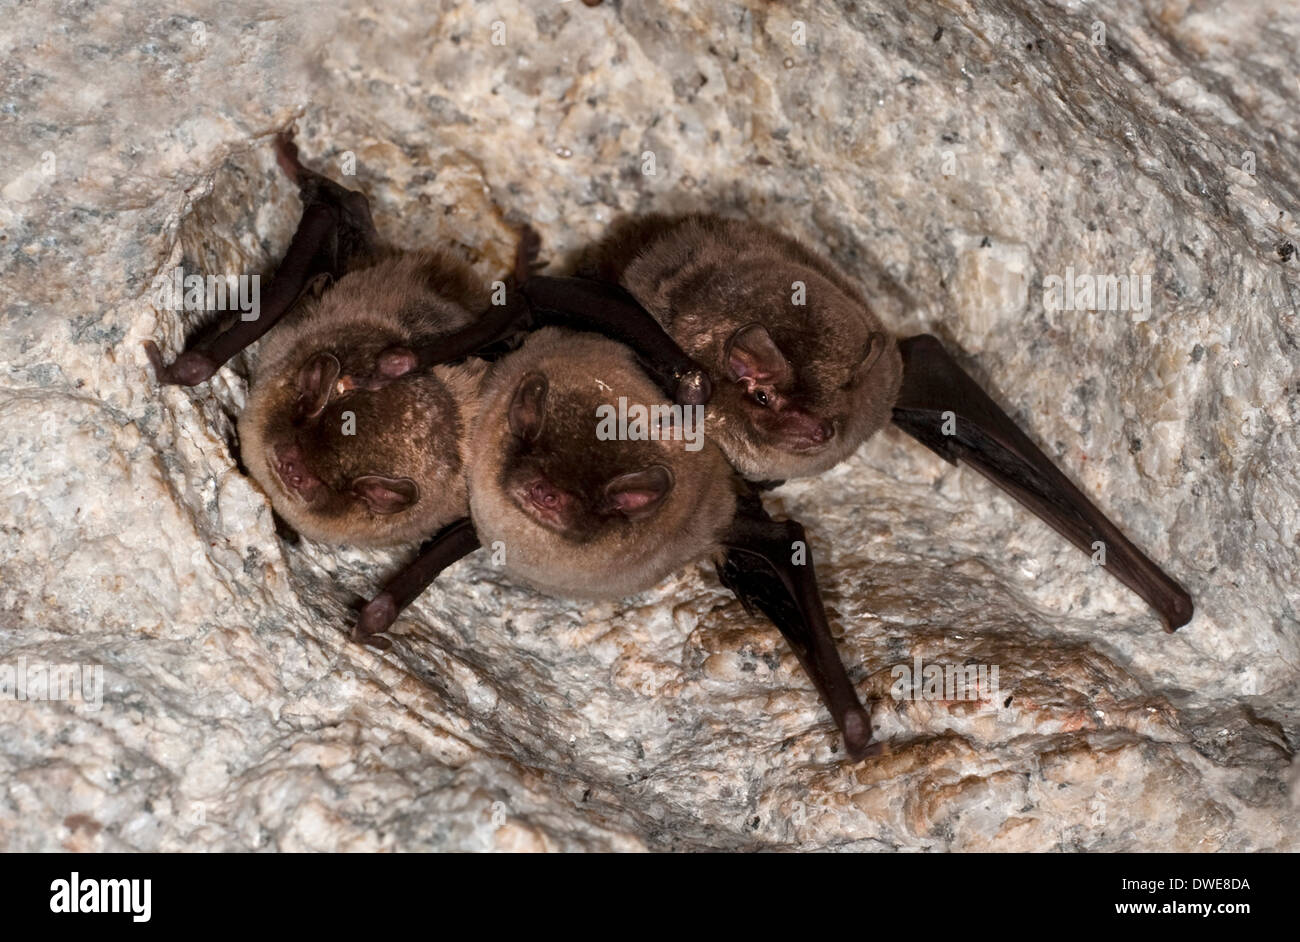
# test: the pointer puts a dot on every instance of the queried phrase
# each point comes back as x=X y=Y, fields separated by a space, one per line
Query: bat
x=802 y=370
x=584 y=508
x=373 y=340
x=352 y=438
x=797 y=387
x=361 y=402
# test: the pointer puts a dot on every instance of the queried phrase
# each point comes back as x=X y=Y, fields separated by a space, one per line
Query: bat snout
x=544 y=502
x=292 y=470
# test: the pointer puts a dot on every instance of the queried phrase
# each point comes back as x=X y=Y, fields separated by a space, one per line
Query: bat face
x=578 y=509
x=351 y=441
x=548 y=476
x=803 y=371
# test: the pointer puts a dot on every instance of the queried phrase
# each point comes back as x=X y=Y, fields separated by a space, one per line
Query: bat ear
x=316 y=382
x=753 y=354
x=528 y=408
x=876 y=345
x=385 y=495
x=318 y=285
x=637 y=494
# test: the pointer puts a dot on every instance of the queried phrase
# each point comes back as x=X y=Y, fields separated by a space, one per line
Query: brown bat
x=358 y=417
x=583 y=508
x=374 y=349
x=581 y=515
x=803 y=372
x=353 y=439
x=348 y=456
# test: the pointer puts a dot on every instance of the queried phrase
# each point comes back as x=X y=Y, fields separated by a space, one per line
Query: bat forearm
x=591 y=305
x=451 y=544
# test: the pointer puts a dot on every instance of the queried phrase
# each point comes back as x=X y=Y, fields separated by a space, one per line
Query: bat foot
x=396 y=361
x=188 y=369
x=527 y=249
x=856 y=729
x=376 y=616
x=390 y=365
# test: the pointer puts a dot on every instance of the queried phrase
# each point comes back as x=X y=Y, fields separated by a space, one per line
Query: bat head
x=352 y=442
x=550 y=478
x=803 y=372
x=786 y=415
x=585 y=506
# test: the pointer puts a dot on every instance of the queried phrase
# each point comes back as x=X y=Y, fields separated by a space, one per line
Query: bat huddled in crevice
x=362 y=400
x=372 y=421
x=802 y=373
x=802 y=370
x=352 y=441
x=579 y=514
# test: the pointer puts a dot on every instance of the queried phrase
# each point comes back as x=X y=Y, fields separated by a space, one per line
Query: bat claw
x=378 y=642
x=189 y=369
x=286 y=155
x=874 y=750
x=390 y=365
x=527 y=249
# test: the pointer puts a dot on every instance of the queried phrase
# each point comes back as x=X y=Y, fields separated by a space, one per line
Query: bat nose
x=293 y=471
x=544 y=495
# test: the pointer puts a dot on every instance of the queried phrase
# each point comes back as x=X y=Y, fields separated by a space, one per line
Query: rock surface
x=951 y=157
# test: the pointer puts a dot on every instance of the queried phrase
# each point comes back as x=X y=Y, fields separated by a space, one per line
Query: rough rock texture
x=951 y=156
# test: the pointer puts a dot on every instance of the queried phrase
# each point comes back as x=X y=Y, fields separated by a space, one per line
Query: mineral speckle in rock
x=951 y=158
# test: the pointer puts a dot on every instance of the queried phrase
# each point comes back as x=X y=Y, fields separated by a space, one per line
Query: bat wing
x=579 y=304
x=942 y=407
x=758 y=568
x=449 y=545
x=334 y=228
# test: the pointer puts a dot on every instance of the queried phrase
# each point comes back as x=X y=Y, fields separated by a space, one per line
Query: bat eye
x=761 y=397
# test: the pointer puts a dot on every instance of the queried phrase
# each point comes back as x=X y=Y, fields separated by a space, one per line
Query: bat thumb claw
x=694 y=388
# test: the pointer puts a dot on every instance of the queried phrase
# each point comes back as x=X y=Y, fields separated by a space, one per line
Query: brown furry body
x=413 y=429
x=705 y=278
x=596 y=554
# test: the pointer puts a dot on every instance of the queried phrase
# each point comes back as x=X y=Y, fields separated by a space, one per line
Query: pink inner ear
x=386 y=495
x=632 y=501
x=638 y=492
x=752 y=354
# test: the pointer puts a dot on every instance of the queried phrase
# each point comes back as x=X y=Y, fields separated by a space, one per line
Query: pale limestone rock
x=898 y=138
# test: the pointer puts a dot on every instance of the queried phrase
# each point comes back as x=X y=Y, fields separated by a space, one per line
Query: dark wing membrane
x=759 y=570
x=986 y=438
x=334 y=229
